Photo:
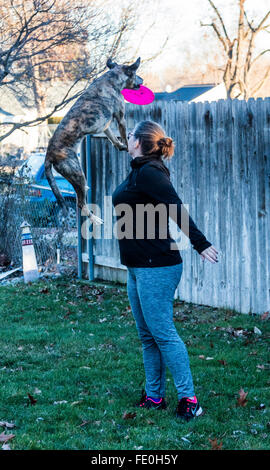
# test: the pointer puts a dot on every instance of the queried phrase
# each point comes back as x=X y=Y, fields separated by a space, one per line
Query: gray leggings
x=151 y=293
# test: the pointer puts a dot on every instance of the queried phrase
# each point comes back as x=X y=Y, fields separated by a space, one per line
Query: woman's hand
x=210 y=253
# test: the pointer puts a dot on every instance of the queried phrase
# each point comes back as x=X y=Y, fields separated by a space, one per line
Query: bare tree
x=239 y=52
x=45 y=41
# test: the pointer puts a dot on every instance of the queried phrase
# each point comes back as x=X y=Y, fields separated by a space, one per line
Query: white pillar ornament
x=30 y=268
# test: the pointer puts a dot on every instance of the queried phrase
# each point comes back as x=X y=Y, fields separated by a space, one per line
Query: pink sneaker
x=188 y=408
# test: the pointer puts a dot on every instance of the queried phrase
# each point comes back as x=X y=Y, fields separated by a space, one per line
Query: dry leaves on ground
x=5 y=447
x=265 y=315
x=44 y=290
x=6 y=437
x=129 y=415
x=222 y=362
x=7 y=425
x=84 y=423
x=206 y=358
x=242 y=401
x=215 y=445
x=32 y=399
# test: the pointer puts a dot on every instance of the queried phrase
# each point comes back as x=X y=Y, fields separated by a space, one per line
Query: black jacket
x=149 y=182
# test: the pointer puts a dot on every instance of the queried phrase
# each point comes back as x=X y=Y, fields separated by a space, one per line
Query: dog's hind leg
x=71 y=169
x=79 y=183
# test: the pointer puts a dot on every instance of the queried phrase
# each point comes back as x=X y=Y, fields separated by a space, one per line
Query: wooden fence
x=221 y=170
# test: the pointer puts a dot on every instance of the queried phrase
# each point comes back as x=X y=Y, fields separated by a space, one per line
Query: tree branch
x=258 y=56
x=255 y=89
x=220 y=19
x=38 y=120
x=220 y=37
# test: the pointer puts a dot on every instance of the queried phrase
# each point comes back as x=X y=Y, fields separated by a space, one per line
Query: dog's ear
x=136 y=64
x=111 y=64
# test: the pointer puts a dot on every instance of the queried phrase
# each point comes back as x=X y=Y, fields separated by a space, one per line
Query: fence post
x=89 y=201
x=85 y=154
x=79 y=216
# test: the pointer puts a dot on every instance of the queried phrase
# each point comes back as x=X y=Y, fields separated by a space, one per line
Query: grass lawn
x=71 y=370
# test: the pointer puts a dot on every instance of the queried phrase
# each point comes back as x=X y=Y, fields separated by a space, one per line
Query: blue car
x=32 y=172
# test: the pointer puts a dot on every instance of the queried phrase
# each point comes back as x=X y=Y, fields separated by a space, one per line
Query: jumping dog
x=92 y=113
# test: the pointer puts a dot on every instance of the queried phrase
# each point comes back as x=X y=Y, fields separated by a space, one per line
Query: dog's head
x=128 y=73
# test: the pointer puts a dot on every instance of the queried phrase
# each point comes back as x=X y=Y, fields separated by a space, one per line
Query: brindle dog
x=92 y=113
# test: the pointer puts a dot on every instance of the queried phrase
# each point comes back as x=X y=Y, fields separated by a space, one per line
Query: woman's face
x=133 y=143
x=131 y=140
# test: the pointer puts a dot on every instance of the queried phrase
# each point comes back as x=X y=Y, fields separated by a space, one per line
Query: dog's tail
x=51 y=180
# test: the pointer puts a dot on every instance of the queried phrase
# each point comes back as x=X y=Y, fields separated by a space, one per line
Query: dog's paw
x=122 y=147
x=95 y=219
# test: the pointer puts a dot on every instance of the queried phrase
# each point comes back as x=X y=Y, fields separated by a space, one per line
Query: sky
x=180 y=20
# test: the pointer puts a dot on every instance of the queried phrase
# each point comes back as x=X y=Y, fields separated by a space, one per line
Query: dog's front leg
x=113 y=139
x=122 y=129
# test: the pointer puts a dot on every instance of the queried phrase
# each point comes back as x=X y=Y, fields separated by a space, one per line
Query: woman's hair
x=153 y=139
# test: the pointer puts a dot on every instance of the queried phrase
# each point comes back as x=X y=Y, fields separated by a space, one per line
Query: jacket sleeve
x=154 y=182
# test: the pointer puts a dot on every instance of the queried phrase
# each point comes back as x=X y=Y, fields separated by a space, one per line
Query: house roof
x=185 y=93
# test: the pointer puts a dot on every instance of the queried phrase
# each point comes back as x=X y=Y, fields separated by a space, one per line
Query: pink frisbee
x=141 y=96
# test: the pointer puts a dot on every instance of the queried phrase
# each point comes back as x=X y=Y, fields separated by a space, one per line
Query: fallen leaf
x=67 y=314
x=185 y=440
x=7 y=425
x=32 y=399
x=6 y=437
x=44 y=291
x=6 y=447
x=235 y=433
x=253 y=353
x=265 y=315
x=261 y=406
x=238 y=332
x=242 y=401
x=149 y=421
x=215 y=445
x=223 y=362
x=84 y=423
x=129 y=415
x=257 y=331
x=76 y=402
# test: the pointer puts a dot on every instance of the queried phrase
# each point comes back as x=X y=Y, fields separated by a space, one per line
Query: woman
x=155 y=266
